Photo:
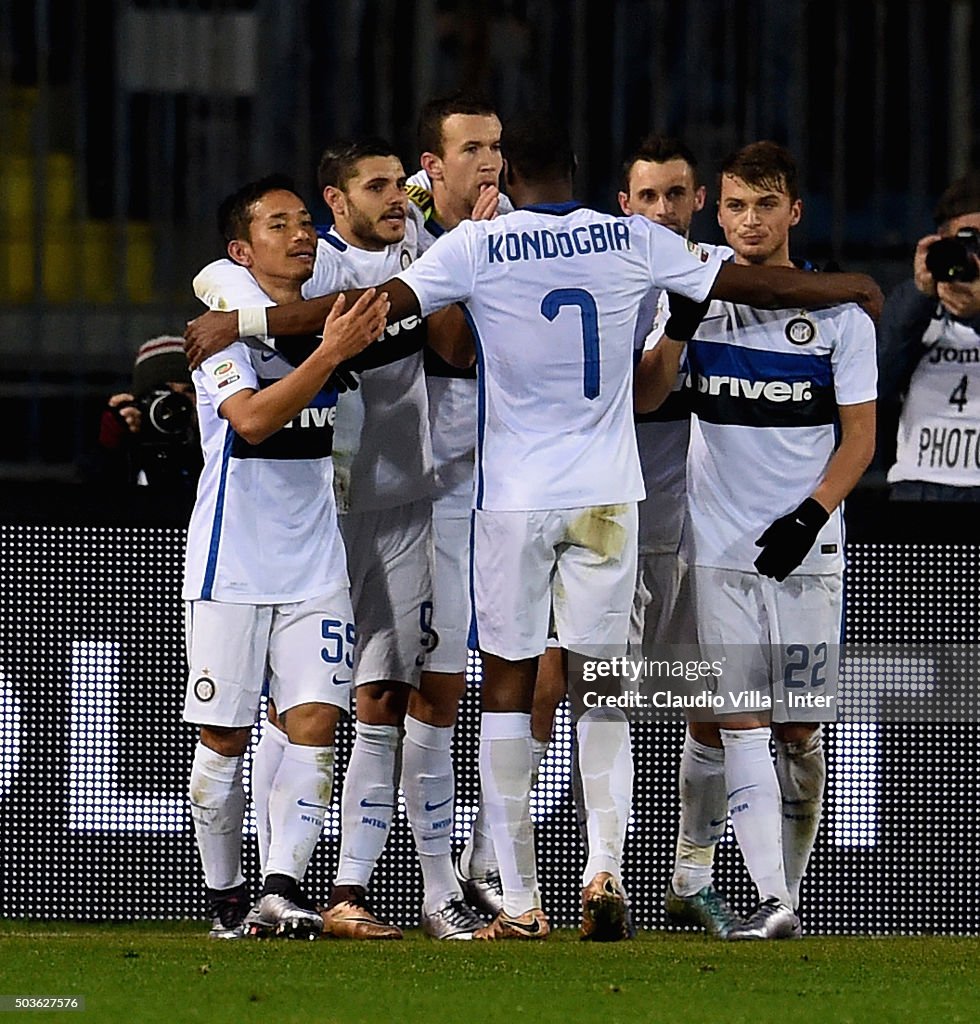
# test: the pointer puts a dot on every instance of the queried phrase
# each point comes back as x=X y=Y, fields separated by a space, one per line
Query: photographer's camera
x=167 y=449
x=950 y=259
x=168 y=414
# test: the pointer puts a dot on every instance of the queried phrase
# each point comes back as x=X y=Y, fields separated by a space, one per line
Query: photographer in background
x=929 y=360
x=150 y=436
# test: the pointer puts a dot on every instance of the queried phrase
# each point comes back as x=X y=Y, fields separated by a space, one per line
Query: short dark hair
x=339 y=160
x=764 y=164
x=963 y=196
x=235 y=211
x=434 y=113
x=538 y=148
x=658 y=149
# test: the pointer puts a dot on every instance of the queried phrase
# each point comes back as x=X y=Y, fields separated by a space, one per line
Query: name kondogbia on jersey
x=543 y=244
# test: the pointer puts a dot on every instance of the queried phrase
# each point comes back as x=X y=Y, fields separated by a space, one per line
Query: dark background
x=123 y=123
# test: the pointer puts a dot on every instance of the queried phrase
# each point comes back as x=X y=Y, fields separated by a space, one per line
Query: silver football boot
x=279 y=916
x=453 y=920
x=770 y=920
x=484 y=893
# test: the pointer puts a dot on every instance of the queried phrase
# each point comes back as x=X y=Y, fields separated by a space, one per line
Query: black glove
x=343 y=379
x=786 y=542
x=685 y=316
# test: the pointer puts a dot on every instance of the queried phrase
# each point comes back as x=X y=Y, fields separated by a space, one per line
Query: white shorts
x=305 y=650
x=450 y=594
x=578 y=565
x=389 y=553
x=663 y=610
x=778 y=641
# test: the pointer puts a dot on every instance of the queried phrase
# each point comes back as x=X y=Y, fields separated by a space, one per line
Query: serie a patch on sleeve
x=696 y=250
x=226 y=373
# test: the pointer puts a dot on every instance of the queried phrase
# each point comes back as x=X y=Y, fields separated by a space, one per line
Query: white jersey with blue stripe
x=264 y=525
x=765 y=387
x=552 y=293
x=382 y=448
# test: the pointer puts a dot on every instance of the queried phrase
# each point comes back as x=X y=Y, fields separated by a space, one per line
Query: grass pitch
x=172 y=973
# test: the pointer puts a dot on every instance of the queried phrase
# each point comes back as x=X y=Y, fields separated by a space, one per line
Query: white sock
x=478 y=857
x=754 y=806
x=505 y=776
x=606 y=763
x=265 y=764
x=368 y=804
x=538 y=749
x=217 y=798
x=429 y=786
x=298 y=803
x=802 y=771
x=704 y=813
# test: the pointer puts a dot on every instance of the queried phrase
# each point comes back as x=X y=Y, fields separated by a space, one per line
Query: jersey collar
x=558 y=209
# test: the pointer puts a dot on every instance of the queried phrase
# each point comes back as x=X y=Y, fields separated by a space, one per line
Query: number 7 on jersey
x=552 y=303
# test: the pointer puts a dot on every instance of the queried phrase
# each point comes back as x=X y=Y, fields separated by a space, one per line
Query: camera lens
x=949 y=259
x=169 y=413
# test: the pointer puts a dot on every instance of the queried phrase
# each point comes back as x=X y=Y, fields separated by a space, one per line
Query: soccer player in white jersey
x=265 y=580
x=461 y=162
x=384 y=485
x=553 y=294
x=766 y=470
x=660 y=181
x=552 y=291
x=388 y=535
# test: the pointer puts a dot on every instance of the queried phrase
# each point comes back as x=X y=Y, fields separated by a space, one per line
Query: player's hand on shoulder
x=485 y=208
x=924 y=280
x=124 y=406
x=209 y=333
x=347 y=331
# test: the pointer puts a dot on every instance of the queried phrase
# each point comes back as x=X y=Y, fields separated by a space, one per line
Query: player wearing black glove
x=785 y=542
x=656 y=372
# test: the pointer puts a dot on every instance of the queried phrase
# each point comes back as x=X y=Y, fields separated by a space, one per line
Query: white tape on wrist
x=252 y=323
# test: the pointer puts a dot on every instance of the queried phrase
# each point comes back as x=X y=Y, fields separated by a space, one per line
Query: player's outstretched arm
x=449 y=336
x=211 y=332
x=786 y=542
x=655 y=374
x=787 y=288
x=255 y=415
